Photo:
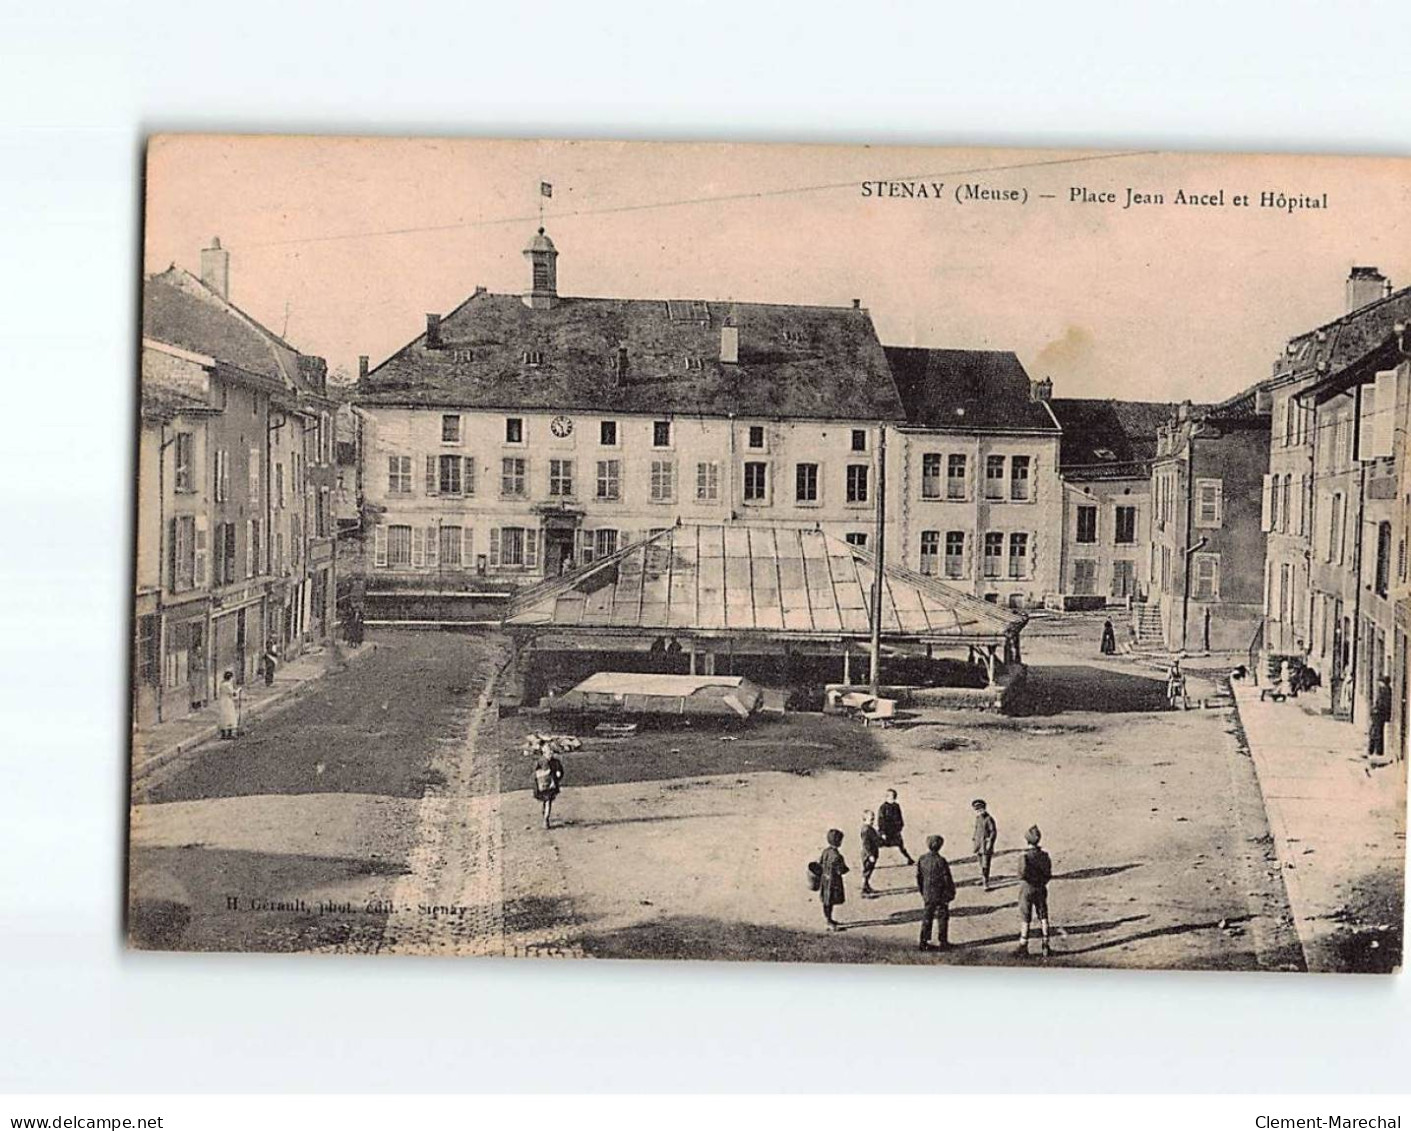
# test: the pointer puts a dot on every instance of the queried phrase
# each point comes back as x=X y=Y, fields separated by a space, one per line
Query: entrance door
x=558 y=551
x=197 y=678
x=1124 y=578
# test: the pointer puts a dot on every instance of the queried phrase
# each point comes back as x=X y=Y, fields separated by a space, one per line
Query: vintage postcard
x=792 y=553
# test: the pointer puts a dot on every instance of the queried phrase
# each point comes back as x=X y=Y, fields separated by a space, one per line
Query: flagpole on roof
x=546 y=191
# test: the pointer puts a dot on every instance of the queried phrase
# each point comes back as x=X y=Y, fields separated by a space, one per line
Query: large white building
x=522 y=434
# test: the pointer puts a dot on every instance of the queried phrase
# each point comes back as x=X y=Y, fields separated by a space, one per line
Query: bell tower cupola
x=543 y=273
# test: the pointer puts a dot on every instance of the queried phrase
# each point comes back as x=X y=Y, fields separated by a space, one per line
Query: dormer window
x=793 y=337
x=1105 y=454
x=533 y=357
x=462 y=356
x=694 y=363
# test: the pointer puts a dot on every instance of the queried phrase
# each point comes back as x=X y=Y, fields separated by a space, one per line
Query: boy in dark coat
x=985 y=834
x=1380 y=716
x=890 y=825
x=831 y=870
x=871 y=849
x=1035 y=871
x=937 y=888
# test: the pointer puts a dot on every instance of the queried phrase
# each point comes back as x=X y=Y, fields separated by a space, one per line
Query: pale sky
x=1153 y=302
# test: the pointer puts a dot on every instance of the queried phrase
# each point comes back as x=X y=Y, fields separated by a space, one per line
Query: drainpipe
x=730 y=472
x=1190 y=524
x=1357 y=552
x=874 y=674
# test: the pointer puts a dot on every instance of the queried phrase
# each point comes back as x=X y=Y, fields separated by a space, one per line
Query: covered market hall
x=790 y=608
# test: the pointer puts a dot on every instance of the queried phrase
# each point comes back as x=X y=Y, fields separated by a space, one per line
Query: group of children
x=884 y=829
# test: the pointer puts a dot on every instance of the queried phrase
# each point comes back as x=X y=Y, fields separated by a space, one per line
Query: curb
x=156 y=761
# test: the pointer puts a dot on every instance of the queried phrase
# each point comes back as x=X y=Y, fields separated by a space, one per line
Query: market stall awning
x=739 y=579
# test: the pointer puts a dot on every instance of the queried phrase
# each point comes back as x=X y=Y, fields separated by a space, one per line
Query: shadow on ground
x=181 y=899
x=802 y=744
x=1054 y=689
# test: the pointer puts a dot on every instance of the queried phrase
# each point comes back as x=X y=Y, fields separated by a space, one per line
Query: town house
x=973 y=493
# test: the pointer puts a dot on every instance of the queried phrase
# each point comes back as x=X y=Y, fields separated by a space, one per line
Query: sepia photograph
x=771 y=553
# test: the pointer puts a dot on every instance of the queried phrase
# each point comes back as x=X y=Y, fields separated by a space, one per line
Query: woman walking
x=1109 y=639
x=548 y=777
x=831 y=870
x=228 y=705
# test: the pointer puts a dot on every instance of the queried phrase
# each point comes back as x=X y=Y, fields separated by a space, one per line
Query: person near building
x=548 y=780
x=1381 y=715
x=1176 y=685
x=831 y=870
x=268 y=662
x=890 y=823
x=937 y=887
x=986 y=832
x=1035 y=871
x=871 y=841
x=1109 y=638
x=228 y=705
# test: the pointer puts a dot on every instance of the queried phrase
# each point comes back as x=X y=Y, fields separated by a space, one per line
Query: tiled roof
x=180 y=310
x=1346 y=339
x=754 y=579
x=966 y=389
x=646 y=356
x=162 y=402
x=1108 y=432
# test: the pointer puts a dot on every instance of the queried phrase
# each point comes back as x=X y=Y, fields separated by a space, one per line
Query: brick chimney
x=433 y=331
x=1364 y=285
x=1041 y=390
x=362 y=366
x=215 y=268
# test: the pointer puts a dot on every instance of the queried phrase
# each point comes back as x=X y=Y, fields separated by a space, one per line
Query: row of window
x=1205 y=573
x=1085 y=580
x=1281 y=502
x=756 y=435
x=954 y=484
x=1209 y=509
x=956 y=564
x=1124 y=527
x=184 y=479
x=456 y=475
x=188 y=550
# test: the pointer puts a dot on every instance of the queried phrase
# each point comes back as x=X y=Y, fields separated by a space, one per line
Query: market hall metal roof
x=762 y=581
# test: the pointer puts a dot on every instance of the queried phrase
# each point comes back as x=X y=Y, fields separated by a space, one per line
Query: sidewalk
x=154 y=746
x=1340 y=832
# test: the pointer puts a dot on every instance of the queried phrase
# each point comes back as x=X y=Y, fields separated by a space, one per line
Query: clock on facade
x=561 y=426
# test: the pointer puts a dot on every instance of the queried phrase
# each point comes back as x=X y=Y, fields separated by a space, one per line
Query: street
x=389 y=810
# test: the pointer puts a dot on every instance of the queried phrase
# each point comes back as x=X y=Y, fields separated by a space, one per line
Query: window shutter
x=1296 y=506
x=467 y=548
x=379 y=544
x=494 y=546
x=468 y=476
x=433 y=546
x=531 y=549
x=1266 y=513
x=431 y=484
x=418 y=558
x=202 y=534
x=1363 y=444
x=1384 y=422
